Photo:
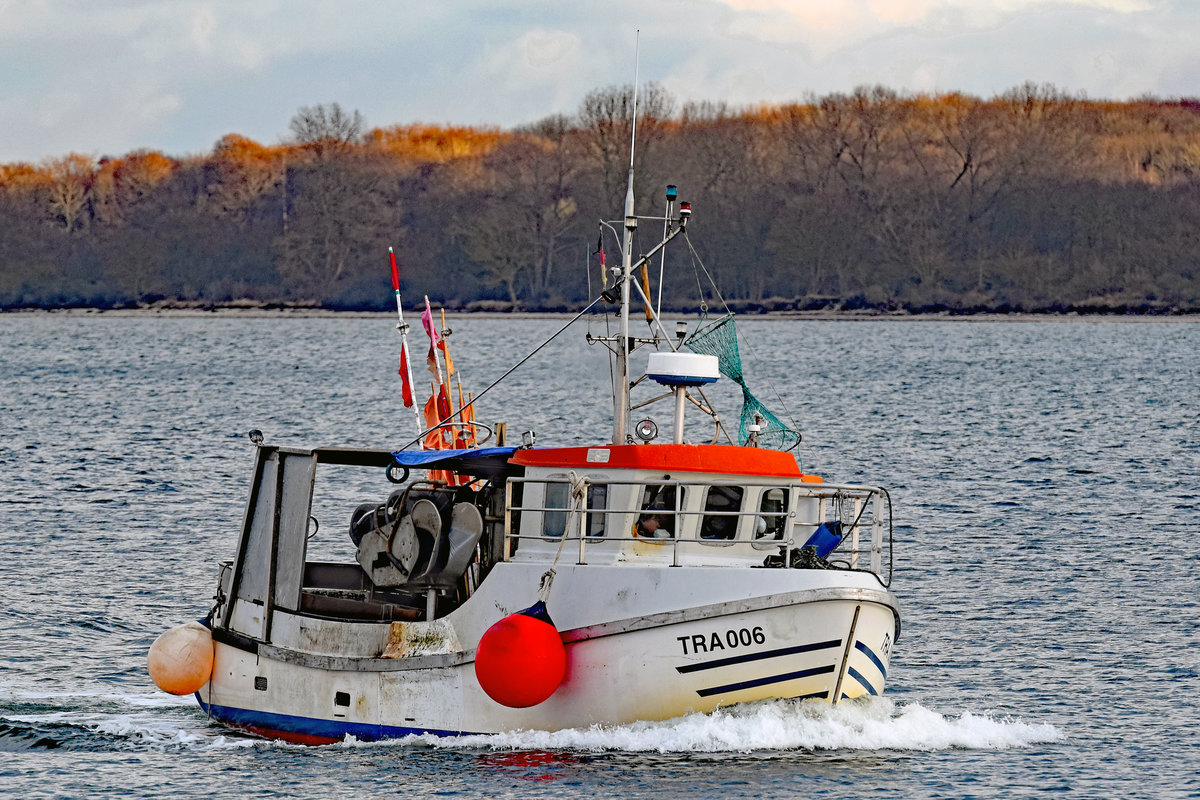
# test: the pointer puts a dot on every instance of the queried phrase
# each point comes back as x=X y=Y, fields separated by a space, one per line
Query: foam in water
x=87 y=719
x=875 y=724
x=149 y=699
x=142 y=720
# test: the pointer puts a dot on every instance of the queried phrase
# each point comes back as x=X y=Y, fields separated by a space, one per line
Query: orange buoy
x=521 y=660
x=180 y=661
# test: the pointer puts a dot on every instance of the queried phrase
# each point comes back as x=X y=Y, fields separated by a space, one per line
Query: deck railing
x=863 y=511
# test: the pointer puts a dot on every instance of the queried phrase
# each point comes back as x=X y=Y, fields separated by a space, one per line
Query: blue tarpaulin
x=469 y=460
x=424 y=458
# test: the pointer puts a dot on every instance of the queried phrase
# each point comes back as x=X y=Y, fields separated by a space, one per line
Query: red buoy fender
x=521 y=661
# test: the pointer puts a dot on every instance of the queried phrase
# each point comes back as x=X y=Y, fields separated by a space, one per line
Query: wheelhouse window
x=557 y=503
x=772 y=519
x=597 y=502
x=558 y=513
x=721 y=506
x=659 y=512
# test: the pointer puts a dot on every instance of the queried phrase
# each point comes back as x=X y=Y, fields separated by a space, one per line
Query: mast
x=621 y=395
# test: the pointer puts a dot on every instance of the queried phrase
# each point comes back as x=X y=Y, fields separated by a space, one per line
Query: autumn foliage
x=1030 y=200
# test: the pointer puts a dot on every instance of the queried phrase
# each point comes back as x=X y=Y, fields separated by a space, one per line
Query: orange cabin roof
x=720 y=459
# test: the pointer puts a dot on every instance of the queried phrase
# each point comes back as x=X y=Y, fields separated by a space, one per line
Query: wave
x=102 y=720
x=777 y=725
x=13 y=697
x=100 y=731
x=107 y=721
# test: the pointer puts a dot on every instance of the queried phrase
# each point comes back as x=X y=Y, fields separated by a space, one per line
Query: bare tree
x=335 y=219
x=122 y=187
x=240 y=174
x=606 y=117
x=71 y=182
x=326 y=127
x=523 y=220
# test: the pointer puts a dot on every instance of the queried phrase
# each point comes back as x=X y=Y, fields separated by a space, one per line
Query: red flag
x=603 y=271
x=407 y=388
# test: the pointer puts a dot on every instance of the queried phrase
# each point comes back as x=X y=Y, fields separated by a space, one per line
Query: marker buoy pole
x=406 y=379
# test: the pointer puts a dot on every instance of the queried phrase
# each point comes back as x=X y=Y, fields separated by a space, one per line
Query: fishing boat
x=488 y=586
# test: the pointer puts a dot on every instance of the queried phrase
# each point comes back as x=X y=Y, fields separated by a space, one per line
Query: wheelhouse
x=685 y=505
x=714 y=506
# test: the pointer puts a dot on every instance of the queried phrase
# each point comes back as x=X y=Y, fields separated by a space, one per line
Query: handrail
x=859 y=508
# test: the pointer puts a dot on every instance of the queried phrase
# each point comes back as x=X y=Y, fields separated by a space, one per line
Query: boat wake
x=778 y=725
x=118 y=722
x=103 y=721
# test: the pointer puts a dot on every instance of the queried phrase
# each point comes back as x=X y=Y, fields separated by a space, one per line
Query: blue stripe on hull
x=743 y=659
x=789 y=676
x=869 y=653
x=308 y=730
x=866 y=684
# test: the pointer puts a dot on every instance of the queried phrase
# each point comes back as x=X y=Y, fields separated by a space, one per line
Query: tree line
x=1031 y=200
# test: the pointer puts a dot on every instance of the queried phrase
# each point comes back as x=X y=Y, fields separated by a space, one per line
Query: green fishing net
x=718 y=337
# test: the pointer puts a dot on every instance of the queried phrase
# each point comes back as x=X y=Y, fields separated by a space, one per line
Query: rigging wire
x=697 y=260
x=612 y=368
x=510 y=371
x=588 y=270
x=612 y=371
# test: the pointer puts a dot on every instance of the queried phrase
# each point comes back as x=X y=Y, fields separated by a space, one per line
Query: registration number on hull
x=718 y=641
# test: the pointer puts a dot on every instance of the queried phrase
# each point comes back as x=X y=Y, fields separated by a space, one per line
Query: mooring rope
x=578 y=498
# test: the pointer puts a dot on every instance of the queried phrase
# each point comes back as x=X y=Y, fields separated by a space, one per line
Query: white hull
x=824 y=637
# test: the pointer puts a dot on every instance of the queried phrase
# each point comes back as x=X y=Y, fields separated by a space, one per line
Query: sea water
x=1044 y=474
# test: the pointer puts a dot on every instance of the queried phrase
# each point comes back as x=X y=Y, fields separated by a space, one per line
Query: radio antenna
x=621 y=395
x=633 y=133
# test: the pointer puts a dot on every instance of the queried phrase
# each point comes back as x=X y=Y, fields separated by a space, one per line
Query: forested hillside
x=1032 y=200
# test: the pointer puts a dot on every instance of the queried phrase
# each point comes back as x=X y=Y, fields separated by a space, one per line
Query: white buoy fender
x=180 y=661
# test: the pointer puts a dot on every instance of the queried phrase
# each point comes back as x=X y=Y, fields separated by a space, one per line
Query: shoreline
x=241 y=312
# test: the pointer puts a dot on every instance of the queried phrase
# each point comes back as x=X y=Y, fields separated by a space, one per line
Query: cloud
x=825 y=27
x=202 y=23
x=1104 y=48
x=178 y=74
x=547 y=49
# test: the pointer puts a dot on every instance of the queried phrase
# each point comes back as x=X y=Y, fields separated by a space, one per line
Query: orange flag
x=441 y=345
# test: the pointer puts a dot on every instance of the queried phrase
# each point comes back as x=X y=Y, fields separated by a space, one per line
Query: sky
x=106 y=77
